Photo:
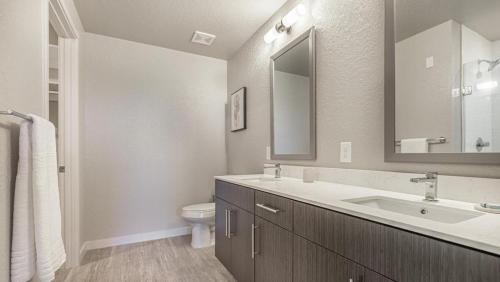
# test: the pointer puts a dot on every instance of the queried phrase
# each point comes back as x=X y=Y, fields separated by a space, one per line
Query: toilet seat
x=199 y=210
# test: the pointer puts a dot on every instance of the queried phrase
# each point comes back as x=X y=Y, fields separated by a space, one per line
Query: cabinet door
x=274 y=245
x=332 y=267
x=242 y=265
x=305 y=260
x=222 y=242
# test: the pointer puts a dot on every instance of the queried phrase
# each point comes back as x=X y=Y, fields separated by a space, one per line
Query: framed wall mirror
x=293 y=99
x=442 y=81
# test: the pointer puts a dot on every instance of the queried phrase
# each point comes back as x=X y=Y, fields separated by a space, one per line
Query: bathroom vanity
x=286 y=230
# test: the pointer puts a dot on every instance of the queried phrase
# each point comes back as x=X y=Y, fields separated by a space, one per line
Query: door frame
x=58 y=15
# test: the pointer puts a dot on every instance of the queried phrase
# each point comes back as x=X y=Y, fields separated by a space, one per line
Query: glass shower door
x=480 y=107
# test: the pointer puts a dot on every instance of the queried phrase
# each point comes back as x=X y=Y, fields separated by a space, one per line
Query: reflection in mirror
x=292 y=99
x=447 y=76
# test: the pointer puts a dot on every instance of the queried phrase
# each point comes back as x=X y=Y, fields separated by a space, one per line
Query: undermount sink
x=417 y=209
x=262 y=179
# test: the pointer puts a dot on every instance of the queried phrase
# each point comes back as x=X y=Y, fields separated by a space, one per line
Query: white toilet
x=202 y=218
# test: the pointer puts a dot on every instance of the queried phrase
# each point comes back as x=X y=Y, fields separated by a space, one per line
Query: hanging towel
x=45 y=205
x=22 y=263
x=414 y=145
x=50 y=254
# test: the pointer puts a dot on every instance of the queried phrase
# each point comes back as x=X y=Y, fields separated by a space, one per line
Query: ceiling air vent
x=203 y=38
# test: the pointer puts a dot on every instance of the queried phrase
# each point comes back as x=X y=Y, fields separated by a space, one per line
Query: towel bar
x=17 y=114
x=439 y=140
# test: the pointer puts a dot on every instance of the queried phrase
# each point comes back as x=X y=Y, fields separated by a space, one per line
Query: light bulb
x=293 y=16
x=271 y=35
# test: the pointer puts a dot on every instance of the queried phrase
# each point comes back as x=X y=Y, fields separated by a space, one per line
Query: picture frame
x=238 y=109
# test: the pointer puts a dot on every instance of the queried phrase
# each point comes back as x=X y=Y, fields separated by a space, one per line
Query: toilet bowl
x=202 y=218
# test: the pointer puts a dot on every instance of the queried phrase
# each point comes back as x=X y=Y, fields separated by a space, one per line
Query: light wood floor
x=171 y=259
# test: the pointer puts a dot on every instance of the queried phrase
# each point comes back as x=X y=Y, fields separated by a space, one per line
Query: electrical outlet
x=268 y=153
x=345 y=152
x=429 y=62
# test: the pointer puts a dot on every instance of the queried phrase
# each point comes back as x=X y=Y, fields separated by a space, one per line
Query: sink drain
x=424 y=211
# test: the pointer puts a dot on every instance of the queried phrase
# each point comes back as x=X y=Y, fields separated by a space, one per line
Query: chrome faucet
x=431 y=185
x=277 y=171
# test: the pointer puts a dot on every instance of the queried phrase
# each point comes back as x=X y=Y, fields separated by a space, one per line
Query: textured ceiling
x=171 y=23
x=414 y=16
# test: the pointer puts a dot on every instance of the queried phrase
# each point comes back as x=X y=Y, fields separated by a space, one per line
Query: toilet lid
x=200 y=207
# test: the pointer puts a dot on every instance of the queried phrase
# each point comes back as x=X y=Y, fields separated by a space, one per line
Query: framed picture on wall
x=238 y=110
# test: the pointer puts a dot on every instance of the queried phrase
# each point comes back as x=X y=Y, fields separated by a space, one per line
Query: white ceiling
x=171 y=23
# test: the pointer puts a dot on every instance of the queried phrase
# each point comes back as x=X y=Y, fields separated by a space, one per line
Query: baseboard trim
x=134 y=238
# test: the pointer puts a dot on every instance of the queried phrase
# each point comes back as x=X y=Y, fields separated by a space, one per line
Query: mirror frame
x=390 y=112
x=307 y=35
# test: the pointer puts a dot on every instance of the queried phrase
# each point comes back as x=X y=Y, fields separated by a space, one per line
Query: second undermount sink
x=262 y=179
x=417 y=209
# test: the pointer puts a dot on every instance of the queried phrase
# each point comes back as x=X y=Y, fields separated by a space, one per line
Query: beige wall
x=350 y=90
x=152 y=130
x=20 y=89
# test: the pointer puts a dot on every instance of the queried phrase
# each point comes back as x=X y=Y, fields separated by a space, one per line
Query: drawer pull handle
x=264 y=207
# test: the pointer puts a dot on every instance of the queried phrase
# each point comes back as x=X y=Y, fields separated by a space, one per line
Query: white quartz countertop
x=482 y=232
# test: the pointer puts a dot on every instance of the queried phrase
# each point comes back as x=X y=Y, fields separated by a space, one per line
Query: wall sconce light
x=285 y=24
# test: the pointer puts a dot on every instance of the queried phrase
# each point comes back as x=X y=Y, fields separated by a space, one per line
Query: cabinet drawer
x=235 y=194
x=276 y=209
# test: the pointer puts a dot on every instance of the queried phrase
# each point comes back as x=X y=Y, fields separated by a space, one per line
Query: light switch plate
x=429 y=62
x=268 y=153
x=345 y=152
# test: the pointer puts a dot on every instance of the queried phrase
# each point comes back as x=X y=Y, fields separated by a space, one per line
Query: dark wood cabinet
x=274 y=247
x=222 y=242
x=303 y=242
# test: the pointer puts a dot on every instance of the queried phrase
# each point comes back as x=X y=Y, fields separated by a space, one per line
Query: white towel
x=46 y=212
x=414 y=145
x=22 y=263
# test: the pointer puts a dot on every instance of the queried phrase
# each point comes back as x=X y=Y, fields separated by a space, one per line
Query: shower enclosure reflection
x=447 y=76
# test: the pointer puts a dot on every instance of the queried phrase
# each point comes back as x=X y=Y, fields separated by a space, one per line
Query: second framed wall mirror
x=442 y=78
x=293 y=100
